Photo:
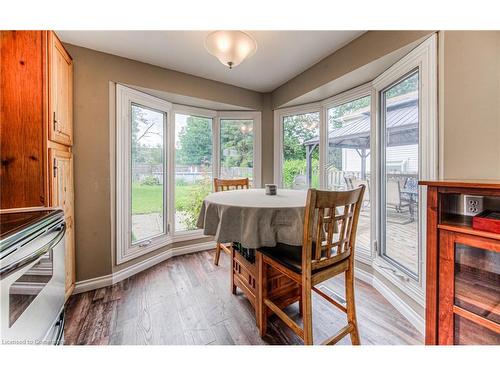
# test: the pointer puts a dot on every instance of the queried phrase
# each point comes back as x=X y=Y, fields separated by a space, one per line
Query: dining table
x=249 y=219
x=253 y=218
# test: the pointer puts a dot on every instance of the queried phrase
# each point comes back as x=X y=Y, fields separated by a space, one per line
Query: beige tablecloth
x=253 y=218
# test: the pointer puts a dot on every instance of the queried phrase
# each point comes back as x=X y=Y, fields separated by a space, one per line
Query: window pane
x=148 y=159
x=348 y=159
x=400 y=127
x=193 y=168
x=236 y=149
x=301 y=151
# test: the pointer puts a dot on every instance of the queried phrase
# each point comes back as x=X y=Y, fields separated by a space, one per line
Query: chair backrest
x=355 y=183
x=393 y=193
x=223 y=185
x=330 y=223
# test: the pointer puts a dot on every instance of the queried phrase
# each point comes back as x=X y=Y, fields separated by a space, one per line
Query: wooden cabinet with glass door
x=463 y=266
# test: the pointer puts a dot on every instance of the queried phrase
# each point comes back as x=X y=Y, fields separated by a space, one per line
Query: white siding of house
x=406 y=155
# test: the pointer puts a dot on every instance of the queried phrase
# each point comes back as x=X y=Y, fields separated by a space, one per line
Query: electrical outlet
x=473 y=204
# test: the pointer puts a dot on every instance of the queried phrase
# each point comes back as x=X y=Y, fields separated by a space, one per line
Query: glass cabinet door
x=469 y=290
x=477 y=290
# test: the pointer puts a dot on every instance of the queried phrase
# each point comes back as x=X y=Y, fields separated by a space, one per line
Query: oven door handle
x=14 y=266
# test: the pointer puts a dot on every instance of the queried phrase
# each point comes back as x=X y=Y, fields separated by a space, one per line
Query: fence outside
x=189 y=174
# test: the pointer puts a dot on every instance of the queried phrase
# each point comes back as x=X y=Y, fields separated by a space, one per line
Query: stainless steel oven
x=32 y=276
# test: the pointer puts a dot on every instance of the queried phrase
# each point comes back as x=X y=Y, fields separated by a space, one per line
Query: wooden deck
x=187 y=300
x=402 y=239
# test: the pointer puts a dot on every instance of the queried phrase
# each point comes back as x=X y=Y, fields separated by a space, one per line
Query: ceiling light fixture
x=230 y=47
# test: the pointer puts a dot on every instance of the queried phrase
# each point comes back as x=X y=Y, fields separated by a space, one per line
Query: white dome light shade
x=230 y=47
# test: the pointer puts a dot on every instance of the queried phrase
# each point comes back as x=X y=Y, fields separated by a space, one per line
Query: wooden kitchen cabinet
x=23 y=64
x=61 y=165
x=60 y=93
x=463 y=266
x=62 y=195
x=36 y=128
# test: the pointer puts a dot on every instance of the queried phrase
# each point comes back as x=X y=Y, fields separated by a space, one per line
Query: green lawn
x=148 y=198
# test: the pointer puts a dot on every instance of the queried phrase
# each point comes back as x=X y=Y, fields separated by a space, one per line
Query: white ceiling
x=280 y=56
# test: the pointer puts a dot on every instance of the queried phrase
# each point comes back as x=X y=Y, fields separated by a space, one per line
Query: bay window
x=166 y=157
x=383 y=135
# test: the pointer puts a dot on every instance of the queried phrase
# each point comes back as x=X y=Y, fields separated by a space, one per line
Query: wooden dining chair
x=224 y=185
x=330 y=222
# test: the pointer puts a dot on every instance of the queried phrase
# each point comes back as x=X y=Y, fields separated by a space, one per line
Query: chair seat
x=287 y=255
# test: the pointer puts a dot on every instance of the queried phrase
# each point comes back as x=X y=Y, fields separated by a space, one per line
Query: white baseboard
x=92 y=284
x=107 y=280
x=413 y=317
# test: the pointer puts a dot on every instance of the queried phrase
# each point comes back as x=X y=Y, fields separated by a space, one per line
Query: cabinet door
x=61 y=166
x=61 y=93
x=62 y=180
x=469 y=290
x=22 y=119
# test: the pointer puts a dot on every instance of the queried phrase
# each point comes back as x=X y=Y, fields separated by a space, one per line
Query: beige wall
x=93 y=72
x=469 y=81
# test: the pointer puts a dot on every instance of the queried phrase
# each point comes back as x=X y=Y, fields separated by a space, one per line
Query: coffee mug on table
x=271 y=189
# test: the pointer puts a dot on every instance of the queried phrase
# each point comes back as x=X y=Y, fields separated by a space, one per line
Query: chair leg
x=233 y=286
x=301 y=305
x=351 y=308
x=307 y=313
x=217 y=254
x=261 y=295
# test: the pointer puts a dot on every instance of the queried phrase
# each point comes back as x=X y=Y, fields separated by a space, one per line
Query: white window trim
x=216 y=117
x=279 y=114
x=423 y=56
x=186 y=235
x=343 y=98
x=257 y=134
x=125 y=250
x=122 y=213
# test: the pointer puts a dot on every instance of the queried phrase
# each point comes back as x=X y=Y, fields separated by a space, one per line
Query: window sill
x=189 y=235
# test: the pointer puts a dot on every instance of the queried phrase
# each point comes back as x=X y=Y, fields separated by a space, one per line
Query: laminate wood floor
x=187 y=300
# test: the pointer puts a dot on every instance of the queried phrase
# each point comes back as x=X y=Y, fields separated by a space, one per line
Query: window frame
x=256 y=117
x=186 y=235
x=125 y=98
x=279 y=115
x=423 y=58
x=338 y=100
